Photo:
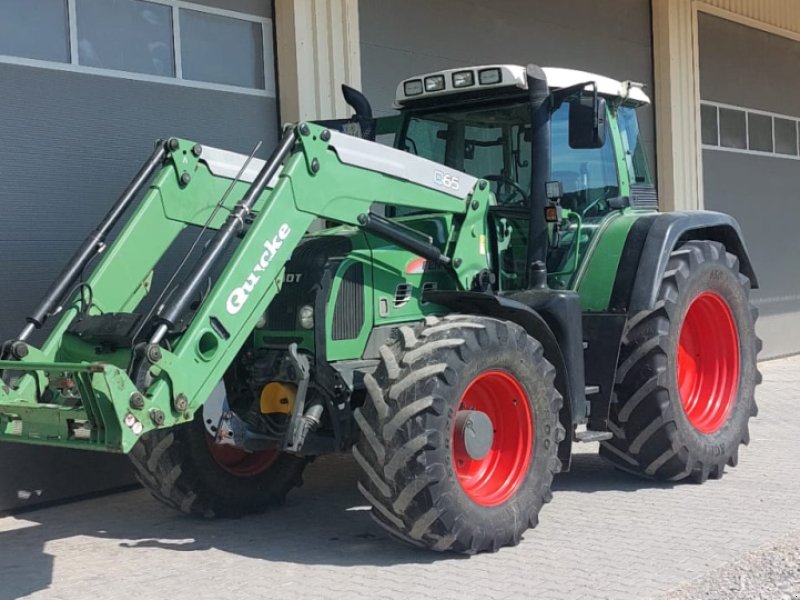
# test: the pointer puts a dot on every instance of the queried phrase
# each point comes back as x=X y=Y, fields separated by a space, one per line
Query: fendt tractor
x=457 y=311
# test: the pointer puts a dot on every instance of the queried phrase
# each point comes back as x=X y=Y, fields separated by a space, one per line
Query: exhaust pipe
x=538 y=93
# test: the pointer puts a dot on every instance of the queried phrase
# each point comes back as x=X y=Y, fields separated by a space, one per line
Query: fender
x=648 y=246
x=510 y=310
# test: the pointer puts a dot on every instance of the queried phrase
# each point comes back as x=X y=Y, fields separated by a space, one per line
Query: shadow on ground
x=325 y=522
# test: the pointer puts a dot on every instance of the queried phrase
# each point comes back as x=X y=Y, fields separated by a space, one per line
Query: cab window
x=588 y=176
x=632 y=147
x=487 y=141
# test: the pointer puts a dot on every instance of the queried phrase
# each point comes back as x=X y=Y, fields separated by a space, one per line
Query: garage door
x=750 y=111
x=86 y=86
x=400 y=38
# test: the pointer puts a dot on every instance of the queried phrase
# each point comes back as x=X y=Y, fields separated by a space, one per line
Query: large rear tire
x=423 y=483
x=687 y=372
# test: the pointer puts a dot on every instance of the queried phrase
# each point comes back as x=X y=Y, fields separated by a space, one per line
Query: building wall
x=71 y=141
x=761 y=189
x=783 y=15
x=400 y=38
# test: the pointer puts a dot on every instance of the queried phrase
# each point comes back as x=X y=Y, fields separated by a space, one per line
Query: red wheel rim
x=708 y=362
x=497 y=476
x=239 y=462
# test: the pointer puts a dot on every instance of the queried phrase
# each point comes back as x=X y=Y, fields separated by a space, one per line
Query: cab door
x=591 y=184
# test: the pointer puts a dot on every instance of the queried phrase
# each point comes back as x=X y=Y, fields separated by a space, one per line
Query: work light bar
x=461 y=80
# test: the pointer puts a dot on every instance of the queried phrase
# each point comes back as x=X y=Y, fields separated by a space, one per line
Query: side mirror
x=587 y=123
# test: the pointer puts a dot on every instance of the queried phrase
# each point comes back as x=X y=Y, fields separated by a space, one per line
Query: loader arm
x=69 y=394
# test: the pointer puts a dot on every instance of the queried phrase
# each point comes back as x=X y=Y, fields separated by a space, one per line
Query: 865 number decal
x=446 y=180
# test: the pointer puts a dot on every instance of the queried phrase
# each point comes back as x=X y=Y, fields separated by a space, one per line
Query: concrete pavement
x=605 y=535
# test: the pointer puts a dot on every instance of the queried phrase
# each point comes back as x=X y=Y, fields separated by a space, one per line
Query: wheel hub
x=474 y=431
x=493 y=438
x=236 y=461
x=708 y=362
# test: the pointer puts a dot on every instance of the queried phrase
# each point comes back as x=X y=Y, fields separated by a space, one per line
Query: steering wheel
x=516 y=189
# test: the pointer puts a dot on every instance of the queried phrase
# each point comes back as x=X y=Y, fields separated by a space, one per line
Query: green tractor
x=457 y=311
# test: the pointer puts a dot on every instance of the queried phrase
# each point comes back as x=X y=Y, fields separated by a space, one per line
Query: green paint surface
x=198 y=357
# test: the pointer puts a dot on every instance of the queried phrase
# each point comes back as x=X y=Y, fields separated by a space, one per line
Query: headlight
x=262 y=321
x=490 y=76
x=434 y=83
x=413 y=87
x=306 y=317
x=463 y=79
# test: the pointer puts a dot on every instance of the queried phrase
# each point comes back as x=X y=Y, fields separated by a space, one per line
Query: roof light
x=490 y=76
x=463 y=79
x=413 y=87
x=434 y=83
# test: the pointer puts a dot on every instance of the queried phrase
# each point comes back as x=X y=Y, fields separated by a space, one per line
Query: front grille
x=303 y=277
x=644 y=196
x=402 y=295
x=348 y=314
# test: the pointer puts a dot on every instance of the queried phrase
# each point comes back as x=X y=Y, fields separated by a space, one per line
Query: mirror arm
x=558 y=97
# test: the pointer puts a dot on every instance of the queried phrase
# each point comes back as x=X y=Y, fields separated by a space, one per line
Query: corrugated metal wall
x=761 y=191
x=784 y=14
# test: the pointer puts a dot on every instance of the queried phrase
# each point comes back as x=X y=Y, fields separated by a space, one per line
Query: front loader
x=457 y=310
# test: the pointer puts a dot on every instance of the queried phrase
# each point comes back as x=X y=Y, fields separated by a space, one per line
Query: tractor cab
x=478 y=121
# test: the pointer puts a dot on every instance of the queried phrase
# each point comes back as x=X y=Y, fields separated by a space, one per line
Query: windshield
x=490 y=142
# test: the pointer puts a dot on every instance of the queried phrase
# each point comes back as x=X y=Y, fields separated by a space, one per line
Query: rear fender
x=650 y=242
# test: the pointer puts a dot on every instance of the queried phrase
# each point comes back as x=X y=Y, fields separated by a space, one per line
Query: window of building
x=732 y=128
x=168 y=41
x=786 y=136
x=222 y=50
x=708 y=125
x=759 y=132
x=126 y=35
x=738 y=129
x=38 y=30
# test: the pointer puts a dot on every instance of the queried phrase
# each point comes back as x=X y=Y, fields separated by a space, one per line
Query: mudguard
x=649 y=244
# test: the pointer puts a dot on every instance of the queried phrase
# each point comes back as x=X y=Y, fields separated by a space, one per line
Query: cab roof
x=471 y=79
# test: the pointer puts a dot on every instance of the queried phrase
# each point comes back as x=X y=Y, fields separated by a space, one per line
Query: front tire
x=424 y=486
x=687 y=372
x=183 y=468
